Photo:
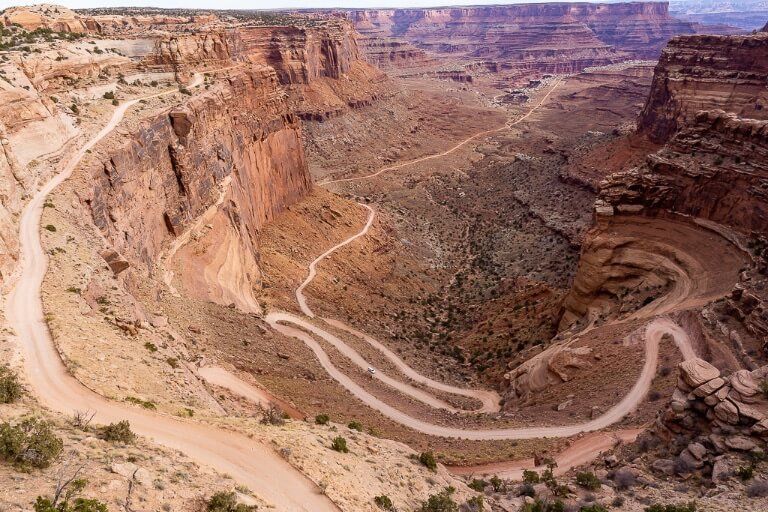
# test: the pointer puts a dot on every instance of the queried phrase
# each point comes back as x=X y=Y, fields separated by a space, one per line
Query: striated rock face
x=705 y=73
x=549 y=38
x=716 y=168
x=713 y=174
x=238 y=142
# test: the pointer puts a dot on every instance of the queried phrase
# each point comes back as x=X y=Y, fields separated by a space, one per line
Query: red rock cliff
x=154 y=183
x=706 y=73
x=586 y=30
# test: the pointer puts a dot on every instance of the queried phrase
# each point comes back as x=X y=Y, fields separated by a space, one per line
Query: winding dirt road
x=248 y=462
x=506 y=126
x=304 y=330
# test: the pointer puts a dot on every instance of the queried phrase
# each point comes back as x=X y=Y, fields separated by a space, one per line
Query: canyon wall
x=707 y=104
x=175 y=163
x=230 y=159
x=706 y=73
x=548 y=38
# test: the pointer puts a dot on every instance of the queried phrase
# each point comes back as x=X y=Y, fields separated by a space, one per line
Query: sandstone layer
x=515 y=39
x=706 y=73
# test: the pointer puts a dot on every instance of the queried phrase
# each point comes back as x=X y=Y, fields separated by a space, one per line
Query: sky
x=261 y=4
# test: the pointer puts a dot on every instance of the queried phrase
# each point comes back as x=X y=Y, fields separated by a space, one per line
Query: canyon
x=378 y=259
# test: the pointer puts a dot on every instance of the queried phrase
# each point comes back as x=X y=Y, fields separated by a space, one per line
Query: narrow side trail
x=248 y=462
x=506 y=126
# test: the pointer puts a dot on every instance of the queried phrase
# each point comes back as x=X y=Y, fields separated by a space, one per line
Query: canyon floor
x=299 y=282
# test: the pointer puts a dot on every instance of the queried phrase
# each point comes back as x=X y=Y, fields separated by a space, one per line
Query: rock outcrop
x=706 y=73
x=711 y=417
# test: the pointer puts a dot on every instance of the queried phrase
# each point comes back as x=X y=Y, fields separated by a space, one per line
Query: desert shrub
x=78 y=505
x=50 y=227
x=322 y=419
x=31 y=443
x=109 y=95
x=624 y=479
x=497 y=483
x=226 y=502
x=531 y=477
x=526 y=489
x=118 y=432
x=758 y=489
x=355 y=425
x=764 y=387
x=745 y=472
x=441 y=502
x=10 y=389
x=115 y=102
x=184 y=90
x=588 y=480
x=383 y=502
x=68 y=499
x=540 y=505
x=687 y=507
x=474 y=504
x=147 y=404
x=75 y=110
x=618 y=501
x=477 y=484
x=428 y=459
x=272 y=415
x=339 y=444
x=594 y=507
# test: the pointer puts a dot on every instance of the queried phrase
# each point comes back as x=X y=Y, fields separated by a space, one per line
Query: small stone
x=563 y=405
x=697 y=450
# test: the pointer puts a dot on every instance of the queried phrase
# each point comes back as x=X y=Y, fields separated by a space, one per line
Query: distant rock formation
x=547 y=38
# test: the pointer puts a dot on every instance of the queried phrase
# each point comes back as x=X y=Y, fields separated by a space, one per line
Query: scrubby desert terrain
x=506 y=258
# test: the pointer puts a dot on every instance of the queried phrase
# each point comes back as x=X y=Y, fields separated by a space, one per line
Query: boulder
x=721 y=470
x=116 y=262
x=741 y=443
x=743 y=382
x=131 y=471
x=697 y=450
x=664 y=466
x=749 y=411
x=709 y=387
x=760 y=428
x=727 y=412
x=696 y=372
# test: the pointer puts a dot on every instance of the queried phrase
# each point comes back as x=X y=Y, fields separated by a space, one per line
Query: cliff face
x=175 y=163
x=712 y=174
x=553 y=37
x=706 y=73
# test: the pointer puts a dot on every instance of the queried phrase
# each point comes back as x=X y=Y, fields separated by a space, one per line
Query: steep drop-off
x=706 y=73
x=712 y=171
